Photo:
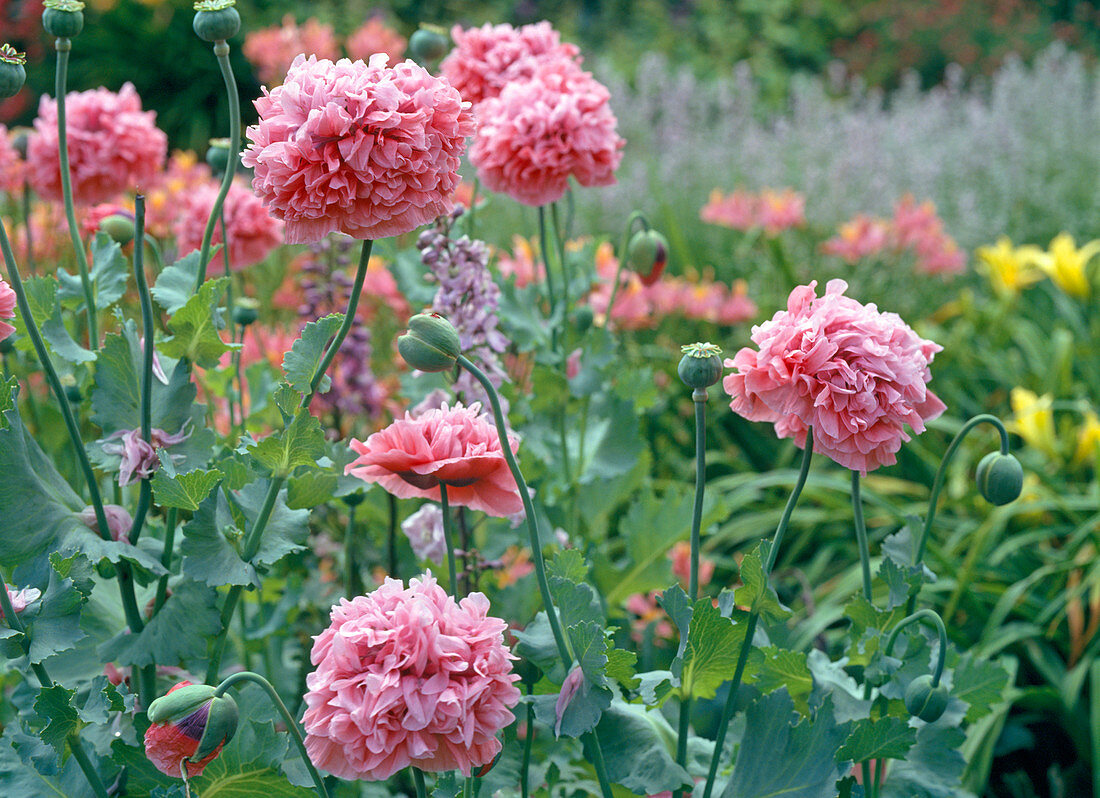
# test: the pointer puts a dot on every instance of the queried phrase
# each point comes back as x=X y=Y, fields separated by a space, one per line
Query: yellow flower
x=1088 y=438
x=1034 y=420
x=1010 y=268
x=1065 y=264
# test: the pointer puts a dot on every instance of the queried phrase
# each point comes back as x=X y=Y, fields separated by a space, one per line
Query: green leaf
x=980 y=683
x=520 y=315
x=184 y=491
x=903 y=582
x=311 y=489
x=304 y=357
x=191 y=607
x=771 y=667
x=108 y=274
x=61 y=342
x=568 y=564
x=302 y=443
x=42 y=296
x=195 y=327
x=714 y=644
x=756 y=592
x=576 y=603
x=56 y=627
x=286 y=529
x=637 y=749
x=208 y=555
x=614 y=442
x=677 y=606
x=54 y=708
x=932 y=768
x=176 y=283
x=536 y=644
x=620 y=667
x=778 y=758
x=885 y=738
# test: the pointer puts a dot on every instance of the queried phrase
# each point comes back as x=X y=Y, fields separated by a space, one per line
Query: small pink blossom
x=21 y=599
x=680 y=554
x=854 y=374
x=119 y=521
x=12 y=168
x=780 y=210
x=486 y=59
x=573 y=363
x=139 y=457
x=861 y=237
x=455 y=446
x=7 y=309
x=365 y=149
x=407 y=676
x=253 y=233
x=374 y=36
x=736 y=210
x=114 y=146
x=540 y=132
x=272 y=50
x=424 y=529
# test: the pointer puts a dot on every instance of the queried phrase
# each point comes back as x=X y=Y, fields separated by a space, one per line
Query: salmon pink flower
x=178 y=720
x=11 y=165
x=374 y=36
x=861 y=237
x=253 y=233
x=455 y=446
x=408 y=676
x=780 y=210
x=736 y=210
x=486 y=59
x=7 y=309
x=114 y=146
x=540 y=132
x=854 y=374
x=272 y=50
x=365 y=149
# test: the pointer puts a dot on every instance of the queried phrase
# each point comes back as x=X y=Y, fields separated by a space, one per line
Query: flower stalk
x=861 y=537
x=449 y=538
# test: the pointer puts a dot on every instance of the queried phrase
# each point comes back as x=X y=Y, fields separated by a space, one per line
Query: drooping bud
x=1000 y=478
x=701 y=366
x=216 y=20
x=647 y=254
x=190 y=725
x=925 y=701
x=245 y=311
x=63 y=18
x=431 y=344
x=12 y=73
x=428 y=43
x=119 y=227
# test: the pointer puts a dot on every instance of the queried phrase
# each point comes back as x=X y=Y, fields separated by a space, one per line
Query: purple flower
x=424 y=529
x=139 y=457
x=119 y=521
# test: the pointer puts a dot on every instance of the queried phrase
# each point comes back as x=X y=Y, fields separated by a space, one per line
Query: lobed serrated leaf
x=636 y=749
x=302 y=443
x=885 y=738
x=772 y=667
x=56 y=627
x=980 y=683
x=192 y=607
x=195 y=327
x=108 y=274
x=176 y=283
x=54 y=709
x=304 y=357
x=756 y=592
x=184 y=491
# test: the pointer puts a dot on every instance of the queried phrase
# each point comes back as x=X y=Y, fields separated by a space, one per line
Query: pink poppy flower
x=486 y=59
x=854 y=374
x=365 y=149
x=119 y=521
x=780 y=210
x=374 y=36
x=114 y=146
x=164 y=199
x=540 y=132
x=858 y=238
x=253 y=233
x=736 y=210
x=272 y=50
x=454 y=446
x=7 y=309
x=169 y=744
x=11 y=165
x=407 y=676
x=139 y=458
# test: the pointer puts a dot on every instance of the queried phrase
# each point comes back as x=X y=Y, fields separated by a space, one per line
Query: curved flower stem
x=166 y=558
x=754 y=618
x=536 y=553
x=291 y=723
x=929 y=618
x=63 y=46
x=448 y=539
x=941 y=473
x=637 y=216
x=861 y=536
x=392 y=532
x=418 y=780
x=251 y=546
x=349 y=319
x=544 y=253
x=148 y=352
x=221 y=50
x=468 y=788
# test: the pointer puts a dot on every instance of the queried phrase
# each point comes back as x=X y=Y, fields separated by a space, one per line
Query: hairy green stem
x=754 y=618
x=166 y=558
x=27 y=226
x=221 y=50
x=861 y=537
x=148 y=353
x=528 y=742
x=63 y=46
x=291 y=723
x=559 y=241
x=392 y=532
x=551 y=294
x=448 y=539
x=351 y=570
x=929 y=618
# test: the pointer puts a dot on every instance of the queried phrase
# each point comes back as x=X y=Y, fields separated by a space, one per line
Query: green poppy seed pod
x=120 y=228
x=245 y=311
x=647 y=254
x=925 y=701
x=12 y=73
x=581 y=318
x=428 y=43
x=63 y=19
x=1000 y=478
x=217 y=156
x=701 y=366
x=431 y=344
x=195 y=711
x=216 y=20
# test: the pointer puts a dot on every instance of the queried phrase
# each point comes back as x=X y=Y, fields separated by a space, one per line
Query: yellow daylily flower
x=1034 y=420
x=1088 y=438
x=1010 y=268
x=1065 y=264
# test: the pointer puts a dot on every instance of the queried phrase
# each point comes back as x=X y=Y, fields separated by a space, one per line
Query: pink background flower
x=272 y=50
x=456 y=445
x=367 y=150
x=406 y=676
x=7 y=309
x=11 y=165
x=540 y=132
x=114 y=146
x=374 y=36
x=253 y=232
x=857 y=376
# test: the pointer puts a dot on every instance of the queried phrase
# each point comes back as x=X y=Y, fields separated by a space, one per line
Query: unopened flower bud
x=428 y=43
x=216 y=20
x=12 y=73
x=647 y=254
x=701 y=366
x=217 y=156
x=119 y=521
x=120 y=228
x=431 y=344
x=189 y=724
x=63 y=18
x=1000 y=478
x=925 y=701
x=245 y=311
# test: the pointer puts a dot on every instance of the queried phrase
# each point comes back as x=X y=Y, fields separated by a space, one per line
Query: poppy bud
x=925 y=701
x=120 y=228
x=431 y=344
x=428 y=43
x=245 y=311
x=63 y=18
x=700 y=367
x=12 y=73
x=1000 y=478
x=217 y=156
x=216 y=20
x=189 y=725
x=647 y=254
